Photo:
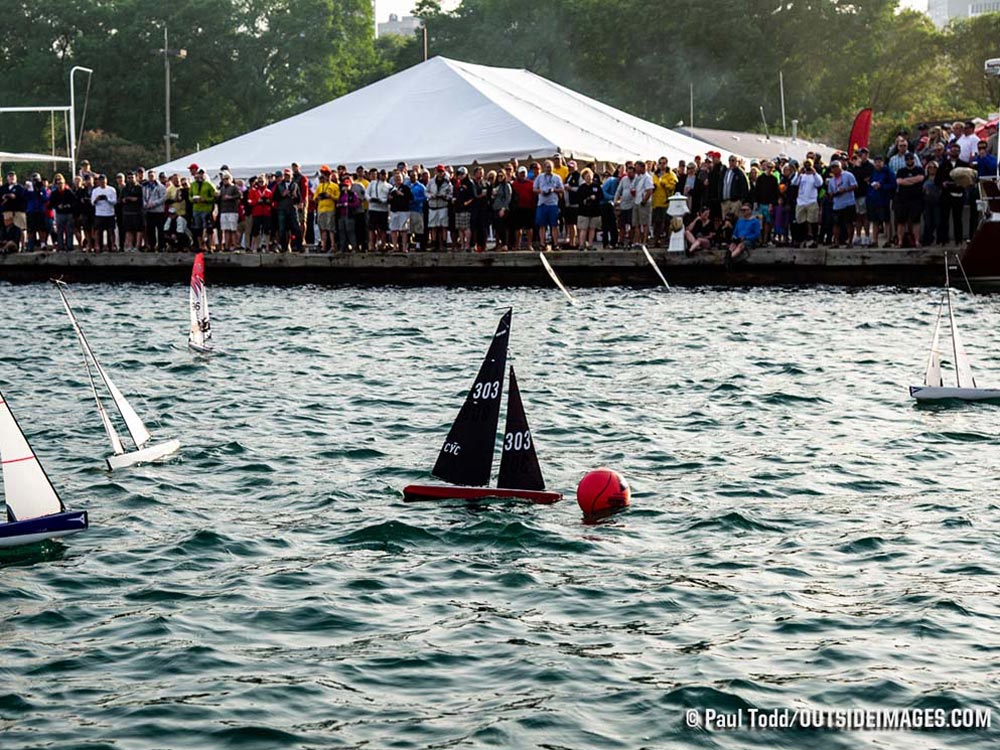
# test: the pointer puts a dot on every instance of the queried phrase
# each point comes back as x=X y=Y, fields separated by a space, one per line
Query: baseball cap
x=463 y=170
x=439 y=168
x=325 y=169
x=863 y=150
x=192 y=165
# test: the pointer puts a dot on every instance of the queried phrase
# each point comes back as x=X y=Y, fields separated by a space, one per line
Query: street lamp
x=167 y=53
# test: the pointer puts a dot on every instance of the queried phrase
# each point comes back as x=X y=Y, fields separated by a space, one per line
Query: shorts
x=104 y=223
x=228 y=222
x=731 y=207
x=437 y=218
x=861 y=204
x=37 y=222
x=20 y=219
x=524 y=218
x=571 y=214
x=378 y=220
x=201 y=220
x=845 y=214
x=132 y=222
x=749 y=244
x=547 y=216
x=878 y=213
x=417 y=222
x=85 y=221
x=641 y=215
x=463 y=219
x=261 y=226
x=398 y=221
x=807 y=214
x=660 y=217
x=909 y=212
x=588 y=222
x=327 y=221
x=765 y=213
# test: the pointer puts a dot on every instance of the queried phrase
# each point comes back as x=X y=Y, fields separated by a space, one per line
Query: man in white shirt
x=625 y=202
x=103 y=199
x=642 y=212
x=969 y=143
x=807 y=206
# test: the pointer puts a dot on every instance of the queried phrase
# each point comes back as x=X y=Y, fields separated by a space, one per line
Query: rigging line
x=962 y=269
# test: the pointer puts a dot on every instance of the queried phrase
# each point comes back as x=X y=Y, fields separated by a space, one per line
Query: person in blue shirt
x=417 y=204
x=881 y=186
x=609 y=223
x=746 y=235
x=984 y=162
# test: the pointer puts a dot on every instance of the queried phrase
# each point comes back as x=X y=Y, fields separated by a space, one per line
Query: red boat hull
x=416 y=492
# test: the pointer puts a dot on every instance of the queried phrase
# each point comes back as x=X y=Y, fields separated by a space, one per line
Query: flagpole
x=781 y=85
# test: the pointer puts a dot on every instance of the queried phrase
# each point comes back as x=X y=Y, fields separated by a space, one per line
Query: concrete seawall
x=768 y=266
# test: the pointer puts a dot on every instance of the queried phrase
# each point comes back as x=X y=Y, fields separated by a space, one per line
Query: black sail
x=467 y=454
x=519 y=469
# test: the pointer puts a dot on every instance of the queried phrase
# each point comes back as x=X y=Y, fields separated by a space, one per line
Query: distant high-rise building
x=942 y=11
x=405 y=26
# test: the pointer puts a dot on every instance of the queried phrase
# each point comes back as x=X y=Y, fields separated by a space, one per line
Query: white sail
x=88 y=355
x=200 y=335
x=136 y=428
x=27 y=490
x=932 y=377
x=963 y=370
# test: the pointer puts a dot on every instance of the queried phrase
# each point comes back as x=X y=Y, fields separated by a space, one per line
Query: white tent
x=444 y=111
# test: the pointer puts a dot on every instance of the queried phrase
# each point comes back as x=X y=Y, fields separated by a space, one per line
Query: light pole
x=72 y=112
x=167 y=53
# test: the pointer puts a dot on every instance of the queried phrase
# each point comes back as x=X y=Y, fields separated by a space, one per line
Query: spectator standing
x=400 y=198
x=734 y=187
x=952 y=194
x=932 y=204
x=440 y=194
x=36 y=197
x=841 y=186
x=465 y=197
x=642 y=211
x=201 y=194
x=418 y=209
x=377 y=194
x=625 y=203
x=500 y=202
x=104 y=199
x=909 y=202
x=664 y=185
x=548 y=189
x=571 y=210
x=764 y=198
x=590 y=196
x=881 y=187
x=65 y=204
x=229 y=198
x=808 y=184
x=862 y=169
x=154 y=200
x=259 y=201
x=347 y=206
x=609 y=220
x=326 y=196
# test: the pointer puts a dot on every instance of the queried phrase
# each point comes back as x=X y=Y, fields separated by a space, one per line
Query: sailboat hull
x=143 y=455
x=200 y=349
x=931 y=393
x=36 y=530
x=416 y=492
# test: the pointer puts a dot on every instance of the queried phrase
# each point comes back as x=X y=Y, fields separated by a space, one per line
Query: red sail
x=860 y=131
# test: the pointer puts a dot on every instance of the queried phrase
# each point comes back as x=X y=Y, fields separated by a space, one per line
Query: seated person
x=746 y=235
x=10 y=235
x=699 y=232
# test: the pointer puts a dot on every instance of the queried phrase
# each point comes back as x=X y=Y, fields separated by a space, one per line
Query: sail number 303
x=486 y=390
x=517 y=441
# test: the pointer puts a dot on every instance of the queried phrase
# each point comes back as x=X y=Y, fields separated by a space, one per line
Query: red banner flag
x=860 y=131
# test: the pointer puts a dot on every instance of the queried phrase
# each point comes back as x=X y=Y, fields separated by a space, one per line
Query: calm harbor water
x=802 y=535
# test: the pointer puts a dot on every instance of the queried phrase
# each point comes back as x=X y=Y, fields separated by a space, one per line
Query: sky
x=405 y=7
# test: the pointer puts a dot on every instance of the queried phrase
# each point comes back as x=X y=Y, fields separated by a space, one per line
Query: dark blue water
x=801 y=536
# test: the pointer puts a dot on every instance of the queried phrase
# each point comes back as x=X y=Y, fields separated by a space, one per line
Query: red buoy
x=602 y=492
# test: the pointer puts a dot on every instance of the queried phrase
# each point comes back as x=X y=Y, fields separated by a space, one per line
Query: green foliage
x=252 y=62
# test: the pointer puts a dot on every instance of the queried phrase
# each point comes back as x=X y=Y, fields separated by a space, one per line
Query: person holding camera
x=808 y=183
x=104 y=199
x=548 y=189
x=841 y=186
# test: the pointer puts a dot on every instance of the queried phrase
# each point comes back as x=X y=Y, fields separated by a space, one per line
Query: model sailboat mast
x=134 y=425
x=466 y=458
x=965 y=388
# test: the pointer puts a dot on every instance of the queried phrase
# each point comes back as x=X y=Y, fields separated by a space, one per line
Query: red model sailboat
x=466 y=458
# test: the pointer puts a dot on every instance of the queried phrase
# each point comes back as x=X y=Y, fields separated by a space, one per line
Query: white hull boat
x=134 y=426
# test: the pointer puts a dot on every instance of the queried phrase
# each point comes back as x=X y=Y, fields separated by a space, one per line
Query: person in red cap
x=193 y=169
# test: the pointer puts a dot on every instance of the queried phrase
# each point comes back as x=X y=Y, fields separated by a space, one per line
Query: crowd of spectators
x=920 y=192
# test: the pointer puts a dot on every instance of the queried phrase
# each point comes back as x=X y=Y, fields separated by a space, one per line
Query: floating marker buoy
x=602 y=492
